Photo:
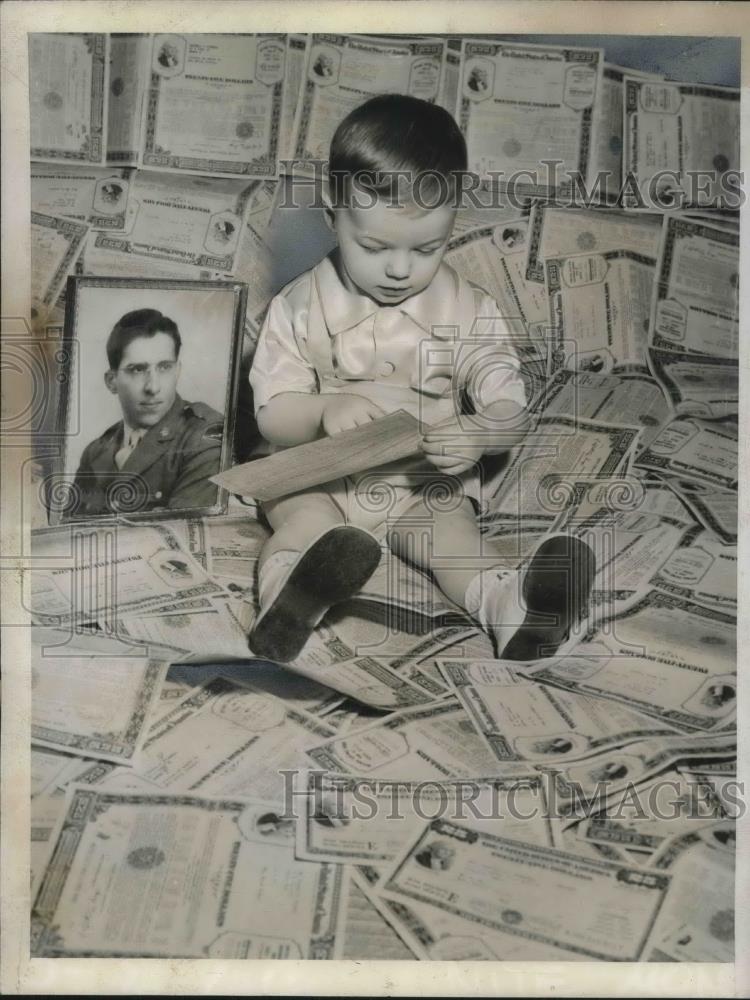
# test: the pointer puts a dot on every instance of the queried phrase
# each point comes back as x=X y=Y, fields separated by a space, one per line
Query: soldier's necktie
x=131 y=441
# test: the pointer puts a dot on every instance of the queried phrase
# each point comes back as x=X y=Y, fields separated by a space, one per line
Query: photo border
x=75 y=285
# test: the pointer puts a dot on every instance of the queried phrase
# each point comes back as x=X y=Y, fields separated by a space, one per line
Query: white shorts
x=374 y=501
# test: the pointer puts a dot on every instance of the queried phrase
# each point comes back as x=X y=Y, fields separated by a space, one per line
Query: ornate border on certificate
x=92 y=148
x=121 y=745
x=265 y=166
x=75 y=233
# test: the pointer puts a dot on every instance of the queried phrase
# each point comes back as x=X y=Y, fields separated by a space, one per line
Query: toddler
x=383 y=324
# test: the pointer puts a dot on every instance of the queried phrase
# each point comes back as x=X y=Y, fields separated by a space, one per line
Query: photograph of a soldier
x=151 y=382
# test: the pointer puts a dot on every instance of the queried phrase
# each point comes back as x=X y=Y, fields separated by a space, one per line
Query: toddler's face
x=391 y=253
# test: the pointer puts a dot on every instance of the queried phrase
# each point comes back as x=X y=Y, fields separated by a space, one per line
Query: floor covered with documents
x=396 y=792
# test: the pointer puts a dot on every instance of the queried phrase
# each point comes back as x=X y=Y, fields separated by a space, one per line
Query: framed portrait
x=147 y=396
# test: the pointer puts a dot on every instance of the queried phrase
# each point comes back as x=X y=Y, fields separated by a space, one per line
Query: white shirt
x=319 y=337
x=131 y=438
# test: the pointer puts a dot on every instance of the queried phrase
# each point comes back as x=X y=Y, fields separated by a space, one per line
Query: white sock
x=493 y=598
x=273 y=574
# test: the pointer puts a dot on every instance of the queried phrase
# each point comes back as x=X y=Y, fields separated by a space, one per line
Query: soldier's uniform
x=168 y=469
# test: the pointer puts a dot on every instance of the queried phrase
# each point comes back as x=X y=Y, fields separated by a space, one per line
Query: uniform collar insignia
x=164 y=430
x=150 y=448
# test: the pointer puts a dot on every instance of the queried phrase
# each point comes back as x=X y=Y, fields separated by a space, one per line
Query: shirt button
x=158 y=495
x=385 y=369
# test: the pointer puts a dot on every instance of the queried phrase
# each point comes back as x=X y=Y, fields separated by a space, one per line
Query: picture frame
x=122 y=374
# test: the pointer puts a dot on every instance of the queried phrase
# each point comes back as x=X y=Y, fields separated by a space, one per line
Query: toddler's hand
x=343 y=411
x=451 y=448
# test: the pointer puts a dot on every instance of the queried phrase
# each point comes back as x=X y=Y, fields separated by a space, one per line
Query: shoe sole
x=557 y=585
x=334 y=568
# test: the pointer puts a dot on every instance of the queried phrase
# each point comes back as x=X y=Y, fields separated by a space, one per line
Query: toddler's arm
x=508 y=424
x=291 y=418
x=490 y=375
x=455 y=444
x=290 y=410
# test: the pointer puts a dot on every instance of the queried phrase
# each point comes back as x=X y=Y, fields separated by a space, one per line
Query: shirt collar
x=134 y=434
x=342 y=309
x=140 y=432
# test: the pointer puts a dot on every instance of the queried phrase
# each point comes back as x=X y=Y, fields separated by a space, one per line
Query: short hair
x=139 y=323
x=396 y=132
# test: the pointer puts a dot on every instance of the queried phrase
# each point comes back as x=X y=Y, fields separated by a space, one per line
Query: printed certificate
x=296 y=61
x=366 y=933
x=520 y=105
x=51 y=770
x=701 y=569
x=663 y=806
x=369 y=679
x=633 y=526
x=129 y=72
x=520 y=719
x=494 y=257
x=529 y=891
x=599 y=306
x=560 y=448
x=181 y=876
x=77 y=577
x=69 y=86
x=665 y=656
x=673 y=129
x=342 y=71
x=697 y=384
x=698 y=919
x=716 y=509
x=97 y=195
x=623 y=398
x=214 y=104
x=437 y=741
x=695 y=449
x=606 y=779
x=112 y=257
x=182 y=221
x=224 y=738
x=95 y=701
x=607 y=159
x=352 y=820
x=451 y=77
x=565 y=232
x=56 y=244
x=254 y=264
x=696 y=302
x=694 y=324
x=193 y=630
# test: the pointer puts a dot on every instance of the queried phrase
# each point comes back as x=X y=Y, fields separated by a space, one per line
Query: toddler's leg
x=312 y=561
x=528 y=613
x=448 y=544
x=297 y=519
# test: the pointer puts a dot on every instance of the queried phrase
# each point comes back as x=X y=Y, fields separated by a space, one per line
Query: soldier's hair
x=396 y=132
x=139 y=323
